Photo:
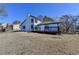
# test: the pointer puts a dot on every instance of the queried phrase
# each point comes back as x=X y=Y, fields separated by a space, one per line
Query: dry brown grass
x=38 y=44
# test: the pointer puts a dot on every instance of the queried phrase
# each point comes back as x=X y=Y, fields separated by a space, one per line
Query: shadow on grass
x=50 y=33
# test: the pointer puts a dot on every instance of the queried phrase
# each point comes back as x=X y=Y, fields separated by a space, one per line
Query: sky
x=19 y=11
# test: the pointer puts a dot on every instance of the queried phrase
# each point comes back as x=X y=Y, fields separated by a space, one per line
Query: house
x=1 y=27
x=48 y=25
x=53 y=27
x=30 y=23
x=16 y=25
x=9 y=27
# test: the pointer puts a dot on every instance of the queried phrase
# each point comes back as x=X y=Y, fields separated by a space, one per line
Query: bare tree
x=3 y=11
x=40 y=17
x=68 y=21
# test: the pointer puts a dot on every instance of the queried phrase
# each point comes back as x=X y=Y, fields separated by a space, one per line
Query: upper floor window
x=36 y=27
x=35 y=21
x=31 y=20
x=77 y=28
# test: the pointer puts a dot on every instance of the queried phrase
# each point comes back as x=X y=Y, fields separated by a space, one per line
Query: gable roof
x=44 y=21
x=35 y=17
x=22 y=22
x=31 y=16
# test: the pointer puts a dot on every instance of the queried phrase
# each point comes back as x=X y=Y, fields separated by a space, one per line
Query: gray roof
x=47 y=20
x=49 y=23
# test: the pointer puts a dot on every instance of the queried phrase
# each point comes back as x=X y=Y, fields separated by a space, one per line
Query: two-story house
x=30 y=23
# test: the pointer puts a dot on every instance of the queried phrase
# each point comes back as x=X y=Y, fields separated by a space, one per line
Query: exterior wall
x=52 y=28
x=41 y=28
x=24 y=24
x=28 y=24
x=16 y=27
x=36 y=23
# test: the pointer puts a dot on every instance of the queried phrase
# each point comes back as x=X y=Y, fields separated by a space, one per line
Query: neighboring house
x=9 y=27
x=30 y=23
x=1 y=27
x=16 y=27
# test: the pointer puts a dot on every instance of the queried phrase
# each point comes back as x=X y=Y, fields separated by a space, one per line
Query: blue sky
x=19 y=11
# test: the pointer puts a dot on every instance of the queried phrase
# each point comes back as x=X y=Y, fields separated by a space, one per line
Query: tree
x=0 y=24
x=40 y=17
x=68 y=21
x=3 y=11
x=16 y=22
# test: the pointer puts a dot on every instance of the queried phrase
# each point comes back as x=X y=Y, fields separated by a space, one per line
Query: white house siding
x=16 y=27
x=28 y=24
x=23 y=25
x=41 y=28
x=36 y=23
x=54 y=28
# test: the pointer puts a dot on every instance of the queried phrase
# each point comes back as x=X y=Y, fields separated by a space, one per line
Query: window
x=77 y=27
x=31 y=26
x=31 y=20
x=23 y=27
x=46 y=27
x=35 y=21
x=36 y=27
